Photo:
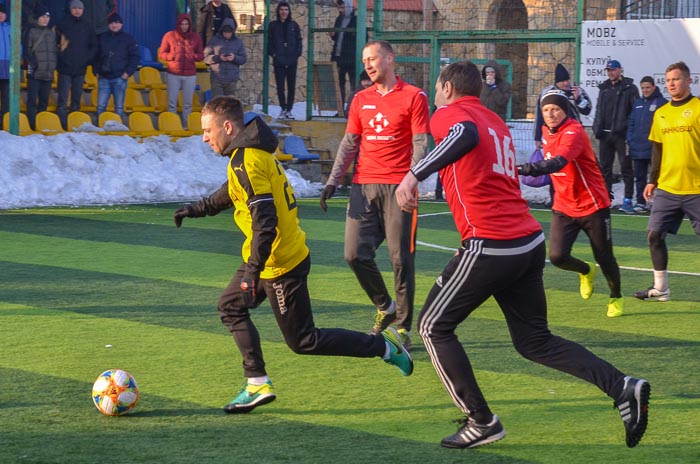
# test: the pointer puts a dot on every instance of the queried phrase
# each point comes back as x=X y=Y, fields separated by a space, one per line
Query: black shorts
x=669 y=209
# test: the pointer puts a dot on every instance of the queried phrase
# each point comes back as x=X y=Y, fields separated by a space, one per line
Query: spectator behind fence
x=344 y=44
x=674 y=182
x=97 y=12
x=5 y=54
x=211 y=19
x=285 y=45
x=41 y=57
x=365 y=82
x=77 y=45
x=495 y=91
x=117 y=58
x=616 y=96
x=181 y=48
x=638 y=127
x=225 y=53
x=579 y=101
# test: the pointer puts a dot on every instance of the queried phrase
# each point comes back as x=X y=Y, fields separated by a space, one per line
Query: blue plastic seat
x=147 y=58
x=249 y=116
x=295 y=146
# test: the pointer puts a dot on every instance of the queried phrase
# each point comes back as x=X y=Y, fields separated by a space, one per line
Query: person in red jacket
x=501 y=255
x=181 y=48
x=581 y=200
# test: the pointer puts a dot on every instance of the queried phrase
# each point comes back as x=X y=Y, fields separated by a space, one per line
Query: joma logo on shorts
x=279 y=293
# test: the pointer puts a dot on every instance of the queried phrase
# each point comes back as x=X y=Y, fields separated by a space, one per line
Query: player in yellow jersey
x=675 y=174
x=276 y=260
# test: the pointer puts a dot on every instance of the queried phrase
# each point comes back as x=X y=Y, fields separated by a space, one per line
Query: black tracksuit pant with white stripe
x=511 y=271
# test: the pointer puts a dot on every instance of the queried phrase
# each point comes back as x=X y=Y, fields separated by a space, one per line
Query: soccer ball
x=115 y=392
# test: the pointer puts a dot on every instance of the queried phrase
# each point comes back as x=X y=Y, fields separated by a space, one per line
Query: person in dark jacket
x=77 y=44
x=344 y=44
x=495 y=91
x=638 y=127
x=284 y=46
x=117 y=58
x=211 y=19
x=579 y=101
x=96 y=13
x=615 y=99
x=41 y=56
x=225 y=53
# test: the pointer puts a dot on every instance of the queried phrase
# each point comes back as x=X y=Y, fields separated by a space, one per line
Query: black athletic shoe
x=471 y=434
x=634 y=409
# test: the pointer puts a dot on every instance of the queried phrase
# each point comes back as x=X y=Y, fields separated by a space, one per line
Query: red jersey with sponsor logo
x=482 y=187
x=579 y=186
x=386 y=124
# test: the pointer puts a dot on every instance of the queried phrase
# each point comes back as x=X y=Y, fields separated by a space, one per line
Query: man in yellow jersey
x=675 y=174
x=276 y=260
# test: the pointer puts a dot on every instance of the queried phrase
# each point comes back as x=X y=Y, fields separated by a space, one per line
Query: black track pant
x=597 y=226
x=289 y=298
x=511 y=271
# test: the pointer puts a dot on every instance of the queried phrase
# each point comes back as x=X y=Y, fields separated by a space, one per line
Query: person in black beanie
x=579 y=101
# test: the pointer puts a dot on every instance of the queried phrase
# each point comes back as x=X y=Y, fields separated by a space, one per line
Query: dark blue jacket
x=284 y=45
x=117 y=54
x=639 y=124
x=614 y=107
x=77 y=44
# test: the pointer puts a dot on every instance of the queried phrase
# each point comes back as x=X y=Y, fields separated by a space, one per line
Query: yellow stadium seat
x=48 y=123
x=24 y=127
x=132 y=84
x=90 y=79
x=151 y=78
x=141 y=124
x=158 y=98
x=171 y=124
x=111 y=116
x=194 y=122
x=77 y=119
x=196 y=105
x=133 y=101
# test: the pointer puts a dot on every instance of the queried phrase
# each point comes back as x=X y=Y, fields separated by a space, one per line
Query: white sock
x=661 y=280
x=258 y=380
x=390 y=310
x=387 y=351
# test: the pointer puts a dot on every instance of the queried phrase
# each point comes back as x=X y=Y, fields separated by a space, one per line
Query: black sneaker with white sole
x=471 y=434
x=634 y=409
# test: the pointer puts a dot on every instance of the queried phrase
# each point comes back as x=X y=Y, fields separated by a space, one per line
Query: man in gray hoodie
x=224 y=54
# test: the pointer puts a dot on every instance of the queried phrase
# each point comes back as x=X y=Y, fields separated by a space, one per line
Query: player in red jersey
x=502 y=255
x=581 y=201
x=387 y=133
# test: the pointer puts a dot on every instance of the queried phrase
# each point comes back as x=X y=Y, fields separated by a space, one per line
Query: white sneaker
x=653 y=294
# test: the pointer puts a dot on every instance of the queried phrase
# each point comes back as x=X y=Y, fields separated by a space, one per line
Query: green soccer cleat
x=587 y=281
x=250 y=397
x=398 y=354
x=616 y=307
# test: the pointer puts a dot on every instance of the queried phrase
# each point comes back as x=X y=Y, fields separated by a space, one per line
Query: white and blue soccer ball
x=115 y=392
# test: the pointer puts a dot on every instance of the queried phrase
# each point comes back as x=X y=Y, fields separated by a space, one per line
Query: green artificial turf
x=86 y=289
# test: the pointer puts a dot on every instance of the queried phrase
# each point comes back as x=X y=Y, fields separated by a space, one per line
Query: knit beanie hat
x=76 y=4
x=555 y=97
x=561 y=74
x=114 y=18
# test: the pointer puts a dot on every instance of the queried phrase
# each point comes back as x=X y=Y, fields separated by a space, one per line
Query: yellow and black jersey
x=266 y=212
x=677 y=128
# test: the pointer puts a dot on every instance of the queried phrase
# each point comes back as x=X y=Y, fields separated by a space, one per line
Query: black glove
x=521 y=170
x=183 y=212
x=248 y=285
x=327 y=194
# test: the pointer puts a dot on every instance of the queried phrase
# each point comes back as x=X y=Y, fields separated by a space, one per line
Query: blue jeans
x=107 y=87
